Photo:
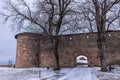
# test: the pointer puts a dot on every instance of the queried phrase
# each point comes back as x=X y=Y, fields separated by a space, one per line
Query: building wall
x=113 y=48
x=72 y=46
x=27 y=50
x=34 y=49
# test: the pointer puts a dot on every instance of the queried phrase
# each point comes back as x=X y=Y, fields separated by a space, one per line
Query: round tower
x=27 y=49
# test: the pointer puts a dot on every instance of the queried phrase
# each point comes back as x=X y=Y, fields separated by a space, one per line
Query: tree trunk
x=56 y=55
x=102 y=50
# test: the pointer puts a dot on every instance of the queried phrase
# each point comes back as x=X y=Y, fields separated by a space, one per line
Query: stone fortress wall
x=33 y=50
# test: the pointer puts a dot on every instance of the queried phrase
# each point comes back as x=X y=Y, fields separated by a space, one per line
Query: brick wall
x=27 y=50
x=33 y=49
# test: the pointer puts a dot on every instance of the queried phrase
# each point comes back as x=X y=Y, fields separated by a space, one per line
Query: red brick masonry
x=34 y=49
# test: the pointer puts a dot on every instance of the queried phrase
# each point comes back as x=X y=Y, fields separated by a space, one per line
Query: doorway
x=82 y=60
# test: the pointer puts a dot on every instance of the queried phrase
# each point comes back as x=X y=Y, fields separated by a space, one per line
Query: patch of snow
x=77 y=73
x=110 y=75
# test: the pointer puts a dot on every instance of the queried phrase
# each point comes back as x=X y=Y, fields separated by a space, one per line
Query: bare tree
x=87 y=18
x=52 y=16
x=105 y=14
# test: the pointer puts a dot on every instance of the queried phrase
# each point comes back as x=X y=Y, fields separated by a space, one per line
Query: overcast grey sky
x=7 y=44
x=7 y=41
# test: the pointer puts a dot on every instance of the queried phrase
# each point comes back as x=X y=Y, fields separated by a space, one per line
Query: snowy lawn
x=77 y=73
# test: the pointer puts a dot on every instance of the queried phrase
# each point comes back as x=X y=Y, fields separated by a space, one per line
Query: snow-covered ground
x=77 y=73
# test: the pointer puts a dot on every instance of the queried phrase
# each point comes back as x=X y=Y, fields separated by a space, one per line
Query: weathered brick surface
x=27 y=50
x=33 y=49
